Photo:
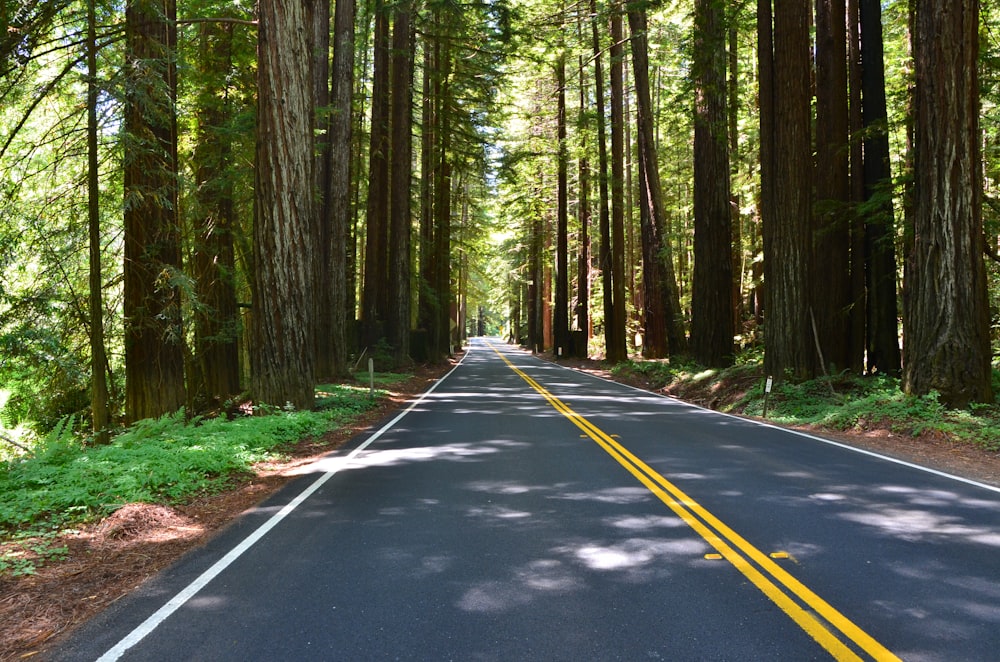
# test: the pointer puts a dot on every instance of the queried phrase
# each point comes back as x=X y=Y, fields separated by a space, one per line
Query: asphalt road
x=521 y=511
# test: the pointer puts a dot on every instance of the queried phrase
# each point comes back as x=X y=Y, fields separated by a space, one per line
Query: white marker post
x=767 y=390
x=371 y=378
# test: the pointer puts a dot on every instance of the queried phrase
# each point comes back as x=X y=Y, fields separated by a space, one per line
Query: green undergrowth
x=65 y=482
x=845 y=402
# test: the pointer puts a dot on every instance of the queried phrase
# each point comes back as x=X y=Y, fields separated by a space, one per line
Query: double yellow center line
x=831 y=629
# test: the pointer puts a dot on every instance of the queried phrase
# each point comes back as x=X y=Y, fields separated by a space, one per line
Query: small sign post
x=767 y=390
x=371 y=378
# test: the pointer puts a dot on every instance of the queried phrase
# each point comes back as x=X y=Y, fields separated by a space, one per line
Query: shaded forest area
x=206 y=203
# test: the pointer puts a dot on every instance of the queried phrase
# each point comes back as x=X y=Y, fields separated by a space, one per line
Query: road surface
x=522 y=511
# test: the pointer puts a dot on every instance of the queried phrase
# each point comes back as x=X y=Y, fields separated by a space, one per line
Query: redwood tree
x=215 y=374
x=99 y=403
x=401 y=174
x=154 y=340
x=615 y=321
x=374 y=295
x=560 y=309
x=662 y=315
x=337 y=198
x=712 y=318
x=882 y=318
x=831 y=258
x=604 y=216
x=284 y=254
x=786 y=186
x=946 y=325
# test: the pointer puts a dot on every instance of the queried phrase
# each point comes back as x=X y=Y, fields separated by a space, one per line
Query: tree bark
x=374 y=297
x=664 y=322
x=282 y=358
x=321 y=172
x=583 y=211
x=154 y=340
x=880 y=248
x=604 y=217
x=712 y=318
x=560 y=312
x=216 y=371
x=99 y=402
x=946 y=327
x=334 y=293
x=442 y=209
x=786 y=163
x=831 y=258
x=617 y=350
x=859 y=296
x=400 y=226
x=426 y=301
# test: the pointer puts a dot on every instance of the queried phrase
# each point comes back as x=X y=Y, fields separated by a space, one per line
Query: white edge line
x=175 y=603
x=862 y=451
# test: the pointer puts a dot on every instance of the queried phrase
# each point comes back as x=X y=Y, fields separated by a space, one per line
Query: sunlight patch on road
x=539 y=577
x=919 y=524
x=634 y=553
x=619 y=495
x=645 y=523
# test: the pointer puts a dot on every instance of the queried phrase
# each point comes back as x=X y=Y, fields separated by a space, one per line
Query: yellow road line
x=726 y=542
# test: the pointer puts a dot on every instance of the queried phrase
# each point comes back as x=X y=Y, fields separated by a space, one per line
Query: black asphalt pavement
x=522 y=511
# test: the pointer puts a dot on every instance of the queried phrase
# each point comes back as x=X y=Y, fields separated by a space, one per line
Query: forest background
x=207 y=205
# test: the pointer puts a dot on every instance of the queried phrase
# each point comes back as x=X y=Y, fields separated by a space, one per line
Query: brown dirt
x=107 y=560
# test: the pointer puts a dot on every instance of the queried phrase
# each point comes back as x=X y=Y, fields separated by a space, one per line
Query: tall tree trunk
x=736 y=204
x=154 y=341
x=712 y=320
x=400 y=179
x=282 y=358
x=859 y=297
x=604 y=217
x=765 y=76
x=655 y=300
x=374 y=296
x=321 y=172
x=99 y=406
x=880 y=247
x=560 y=313
x=334 y=293
x=583 y=211
x=786 y=136
x=442 y=209
x=617 y=351
x=947 y=342
x=664 y=321
x=831 y=258
x=216 y=370
x=426 y=306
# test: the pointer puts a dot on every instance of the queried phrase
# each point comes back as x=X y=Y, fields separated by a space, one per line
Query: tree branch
x=237 y=21
x=991 y=253
x=15 y=443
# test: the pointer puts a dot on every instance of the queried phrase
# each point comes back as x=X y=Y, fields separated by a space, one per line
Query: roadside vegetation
x=63 y=481
x=842 y=402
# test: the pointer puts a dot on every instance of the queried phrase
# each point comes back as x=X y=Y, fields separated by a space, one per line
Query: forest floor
x=109 y=559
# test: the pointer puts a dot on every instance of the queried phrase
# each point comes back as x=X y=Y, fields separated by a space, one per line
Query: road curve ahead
x=522 y=511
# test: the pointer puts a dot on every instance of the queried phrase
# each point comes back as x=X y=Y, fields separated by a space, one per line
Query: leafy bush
x=163 y=460
x=842 y=402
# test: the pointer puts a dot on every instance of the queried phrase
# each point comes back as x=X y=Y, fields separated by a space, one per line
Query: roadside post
x=767 y=390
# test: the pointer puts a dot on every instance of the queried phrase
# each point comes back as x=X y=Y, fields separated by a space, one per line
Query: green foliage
x=165 y=460
x=656 y=374
x=843 y=403
x=28 y=550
